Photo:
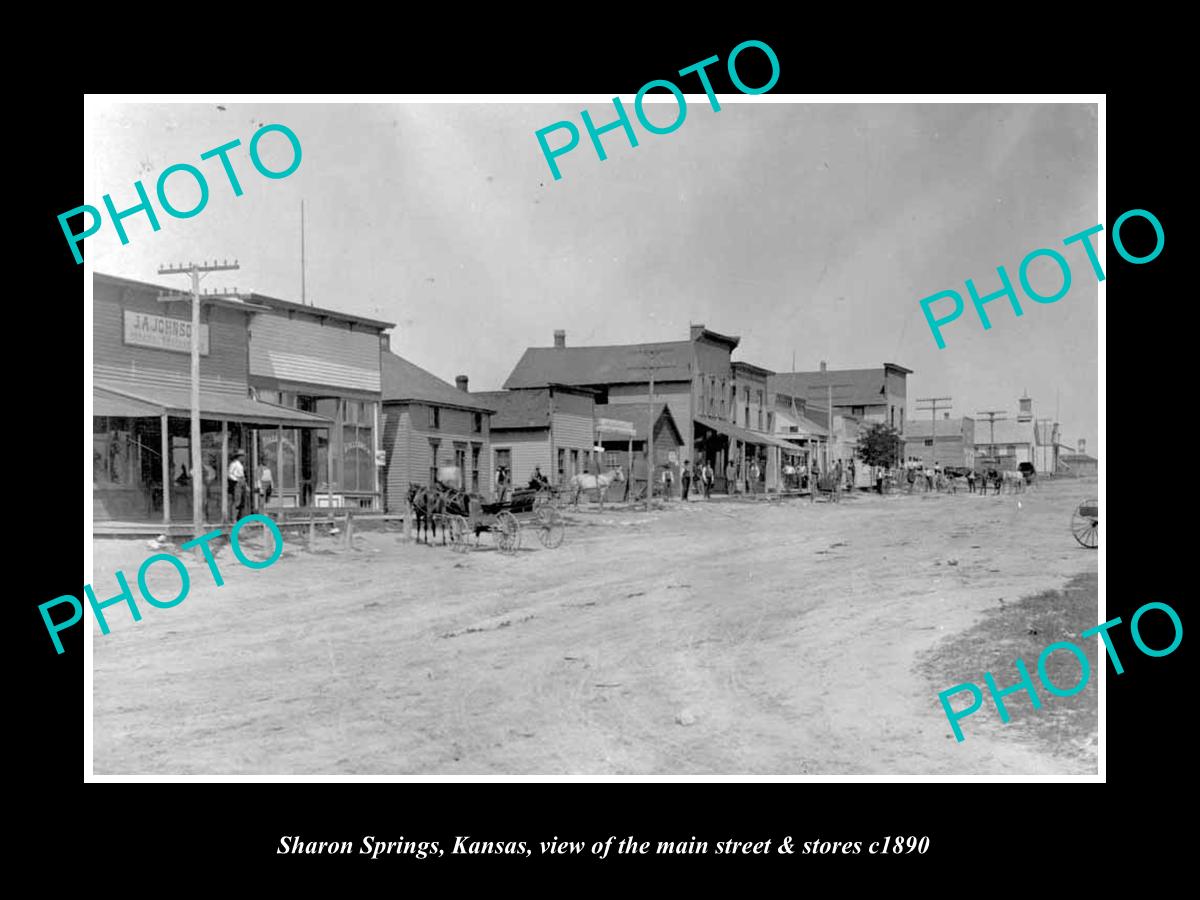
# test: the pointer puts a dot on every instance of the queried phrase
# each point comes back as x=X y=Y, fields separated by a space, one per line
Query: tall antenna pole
x=933 y=409
x=303 y=301
x=194 y=270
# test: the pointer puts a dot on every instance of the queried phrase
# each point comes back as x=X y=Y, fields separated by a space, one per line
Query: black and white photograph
x=508 y=437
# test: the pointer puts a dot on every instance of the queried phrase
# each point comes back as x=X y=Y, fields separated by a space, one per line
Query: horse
x=598 y=483
x=422 y=501
x=1014 y=482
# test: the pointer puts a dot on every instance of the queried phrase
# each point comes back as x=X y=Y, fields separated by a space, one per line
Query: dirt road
x=716 y=638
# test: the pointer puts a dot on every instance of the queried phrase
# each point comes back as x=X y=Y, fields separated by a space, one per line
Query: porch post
x=224 y=471
x=166 y=470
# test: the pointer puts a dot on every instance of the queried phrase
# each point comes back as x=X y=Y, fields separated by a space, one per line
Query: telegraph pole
x=933 y=410
x=651 y=366
x=829 y=386
x=195 y=270
x=993 y=415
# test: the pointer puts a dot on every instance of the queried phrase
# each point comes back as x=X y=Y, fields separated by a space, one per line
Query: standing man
x=237 y=481
x=755 y=472
x=879 y=480
x=707 y=475
x=730 y=476
x=685 y=478
x=266 y=485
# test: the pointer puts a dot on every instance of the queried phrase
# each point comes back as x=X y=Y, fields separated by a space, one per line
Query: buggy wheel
x=458 y=531
x=508 y=532
x=550 y=528
x=1085 y=524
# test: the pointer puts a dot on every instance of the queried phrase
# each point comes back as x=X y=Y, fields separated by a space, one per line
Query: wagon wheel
x=508 y=532
x=1085 y=524
x=550 y=528
x=458 y=532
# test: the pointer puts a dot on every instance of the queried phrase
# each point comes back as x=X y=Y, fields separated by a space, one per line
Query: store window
x=115 y=456
x=575 y=470
x=434 y=445
x=358 y=449
x=612 y=460
x=460 y=462
x=475 y=451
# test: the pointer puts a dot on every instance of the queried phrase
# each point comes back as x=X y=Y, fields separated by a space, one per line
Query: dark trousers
x=879 y=485
x=239 y=499
x=707 y=488
x=687 y=483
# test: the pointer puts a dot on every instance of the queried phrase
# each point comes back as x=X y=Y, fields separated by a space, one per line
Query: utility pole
x=829 y=386
x=933 y=410
x=650 y=367
x=194 y=270
x=993 y=415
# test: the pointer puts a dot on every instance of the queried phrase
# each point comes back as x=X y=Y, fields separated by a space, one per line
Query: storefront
x=327 y=364
x=141 y=442
x=296 y=388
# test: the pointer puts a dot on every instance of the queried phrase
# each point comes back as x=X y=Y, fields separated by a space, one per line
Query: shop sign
x=162 y=333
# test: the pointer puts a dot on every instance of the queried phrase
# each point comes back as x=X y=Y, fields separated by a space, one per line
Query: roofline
x=731 y=340
x=759 y=370
x=429 y=402
x=268 y=302
x=897 y=367
x=321 y=312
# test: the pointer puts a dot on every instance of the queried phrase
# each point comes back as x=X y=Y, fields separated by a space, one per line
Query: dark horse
x=426 y=504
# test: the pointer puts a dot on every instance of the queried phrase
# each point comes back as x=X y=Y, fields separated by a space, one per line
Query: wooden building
x=327 y=363
x=550 y=428
x=628 y=450
x=946 y=441
x=695 y=379
x=430 y=423
x=141 y=406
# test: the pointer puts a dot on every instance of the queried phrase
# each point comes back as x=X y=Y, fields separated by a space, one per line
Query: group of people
x=238 y=486
x=702 y=477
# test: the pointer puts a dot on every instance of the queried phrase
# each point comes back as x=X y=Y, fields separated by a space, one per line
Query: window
x=770 y=421
x=477 y=423
x=433 y=460
x=612 y=460
x=114 y=452
x=562 y=464
x=435 y=417
x=475 y=449
x=358 y=449
x=928 y=442
x=460 y=462
x=575 y=470
x=858 y=411
x=723 y=394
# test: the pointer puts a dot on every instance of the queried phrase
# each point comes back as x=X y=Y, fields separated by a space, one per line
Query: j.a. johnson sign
x=162 y=333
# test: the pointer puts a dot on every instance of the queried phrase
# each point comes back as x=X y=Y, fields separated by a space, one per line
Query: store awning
x=152 y=400
x=745 y=435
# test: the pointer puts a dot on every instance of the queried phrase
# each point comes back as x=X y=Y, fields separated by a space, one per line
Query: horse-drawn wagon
x=470 y=516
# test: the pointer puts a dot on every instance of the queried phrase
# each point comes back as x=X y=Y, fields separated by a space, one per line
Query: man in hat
x=237 y=481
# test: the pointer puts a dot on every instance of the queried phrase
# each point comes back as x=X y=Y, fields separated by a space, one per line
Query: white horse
x=1014 y=482
x=598 y=483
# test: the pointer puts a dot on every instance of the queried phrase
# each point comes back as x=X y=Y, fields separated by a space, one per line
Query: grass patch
x=1022 y=629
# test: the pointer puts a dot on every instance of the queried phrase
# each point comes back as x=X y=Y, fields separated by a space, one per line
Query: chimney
x=822 y=365
x=1082 y=446
x=696 y=331
x=1026 y=413
x=461 y=382
x=560 y=339
x=385 y=342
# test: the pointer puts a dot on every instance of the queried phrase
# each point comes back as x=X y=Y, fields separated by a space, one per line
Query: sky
x=812 y=231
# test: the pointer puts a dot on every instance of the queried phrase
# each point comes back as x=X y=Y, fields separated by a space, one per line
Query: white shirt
x=236 y=470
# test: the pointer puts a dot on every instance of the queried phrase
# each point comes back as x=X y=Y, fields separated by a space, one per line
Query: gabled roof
x=619 y=364
x=406 y=382
x=852 y=387
x=805 y=427
x=636 y=413
x=518 y=409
